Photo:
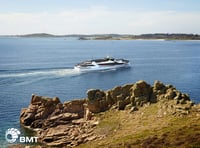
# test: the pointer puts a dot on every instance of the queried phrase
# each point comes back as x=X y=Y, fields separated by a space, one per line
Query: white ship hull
x=102 y=64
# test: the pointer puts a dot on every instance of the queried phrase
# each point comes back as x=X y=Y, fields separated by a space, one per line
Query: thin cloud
x=100 y=20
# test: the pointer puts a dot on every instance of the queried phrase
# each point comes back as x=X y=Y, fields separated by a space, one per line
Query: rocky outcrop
x=46 y=112
x=39 y=109
x=135 y=96
x=72 y=123
x=55 y=122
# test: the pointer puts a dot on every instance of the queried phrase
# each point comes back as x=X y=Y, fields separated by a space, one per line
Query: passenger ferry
x=102 y=64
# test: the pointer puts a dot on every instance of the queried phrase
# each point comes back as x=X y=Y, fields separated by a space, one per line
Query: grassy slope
x=144 y=128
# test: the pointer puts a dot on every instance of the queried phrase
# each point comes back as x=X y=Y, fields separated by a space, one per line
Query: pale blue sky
x=99 y=16
x=59 y=5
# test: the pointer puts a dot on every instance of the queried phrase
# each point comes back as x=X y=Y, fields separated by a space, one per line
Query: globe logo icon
x=12 y=134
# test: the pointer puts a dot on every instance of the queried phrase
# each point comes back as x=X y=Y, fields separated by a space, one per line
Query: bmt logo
x=12 y=134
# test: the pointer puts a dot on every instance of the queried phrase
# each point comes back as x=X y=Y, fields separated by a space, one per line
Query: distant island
x=164 y=36
x=143 y=36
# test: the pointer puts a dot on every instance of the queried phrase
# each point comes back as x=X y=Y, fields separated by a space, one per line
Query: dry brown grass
x=144 y=128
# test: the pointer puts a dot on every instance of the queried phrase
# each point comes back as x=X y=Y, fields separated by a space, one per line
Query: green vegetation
x=144 y=128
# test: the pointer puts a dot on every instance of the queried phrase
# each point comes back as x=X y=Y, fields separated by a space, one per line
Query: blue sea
x=44 y=66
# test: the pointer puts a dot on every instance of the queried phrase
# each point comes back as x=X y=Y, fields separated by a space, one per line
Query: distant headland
x=155 y=36
x=164 y=36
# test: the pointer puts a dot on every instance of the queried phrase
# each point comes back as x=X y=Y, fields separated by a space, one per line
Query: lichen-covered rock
x=115 y=92
x=97 y=106
x=141 y=93
x=74 y=106
x=110 y=101
x=136 y=94
x=158 y=90
x=46 y=112
x=170 y=94
x=49 y=116
x=68 y=135
x=94 y=94
x=40 y=108
x=158 y=85
x=126 y=89
x=96 y=101
x=121 y=105
x=141 y=89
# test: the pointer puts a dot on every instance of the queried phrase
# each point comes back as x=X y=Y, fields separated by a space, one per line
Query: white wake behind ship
x=107 y=63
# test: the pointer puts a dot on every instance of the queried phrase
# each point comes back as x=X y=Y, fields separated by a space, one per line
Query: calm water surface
x=44 y=66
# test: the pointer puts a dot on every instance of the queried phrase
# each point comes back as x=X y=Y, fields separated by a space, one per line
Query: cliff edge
x=133 y=115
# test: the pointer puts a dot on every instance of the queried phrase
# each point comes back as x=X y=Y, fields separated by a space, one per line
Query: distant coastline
x=164 y=36
x=157 y=36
